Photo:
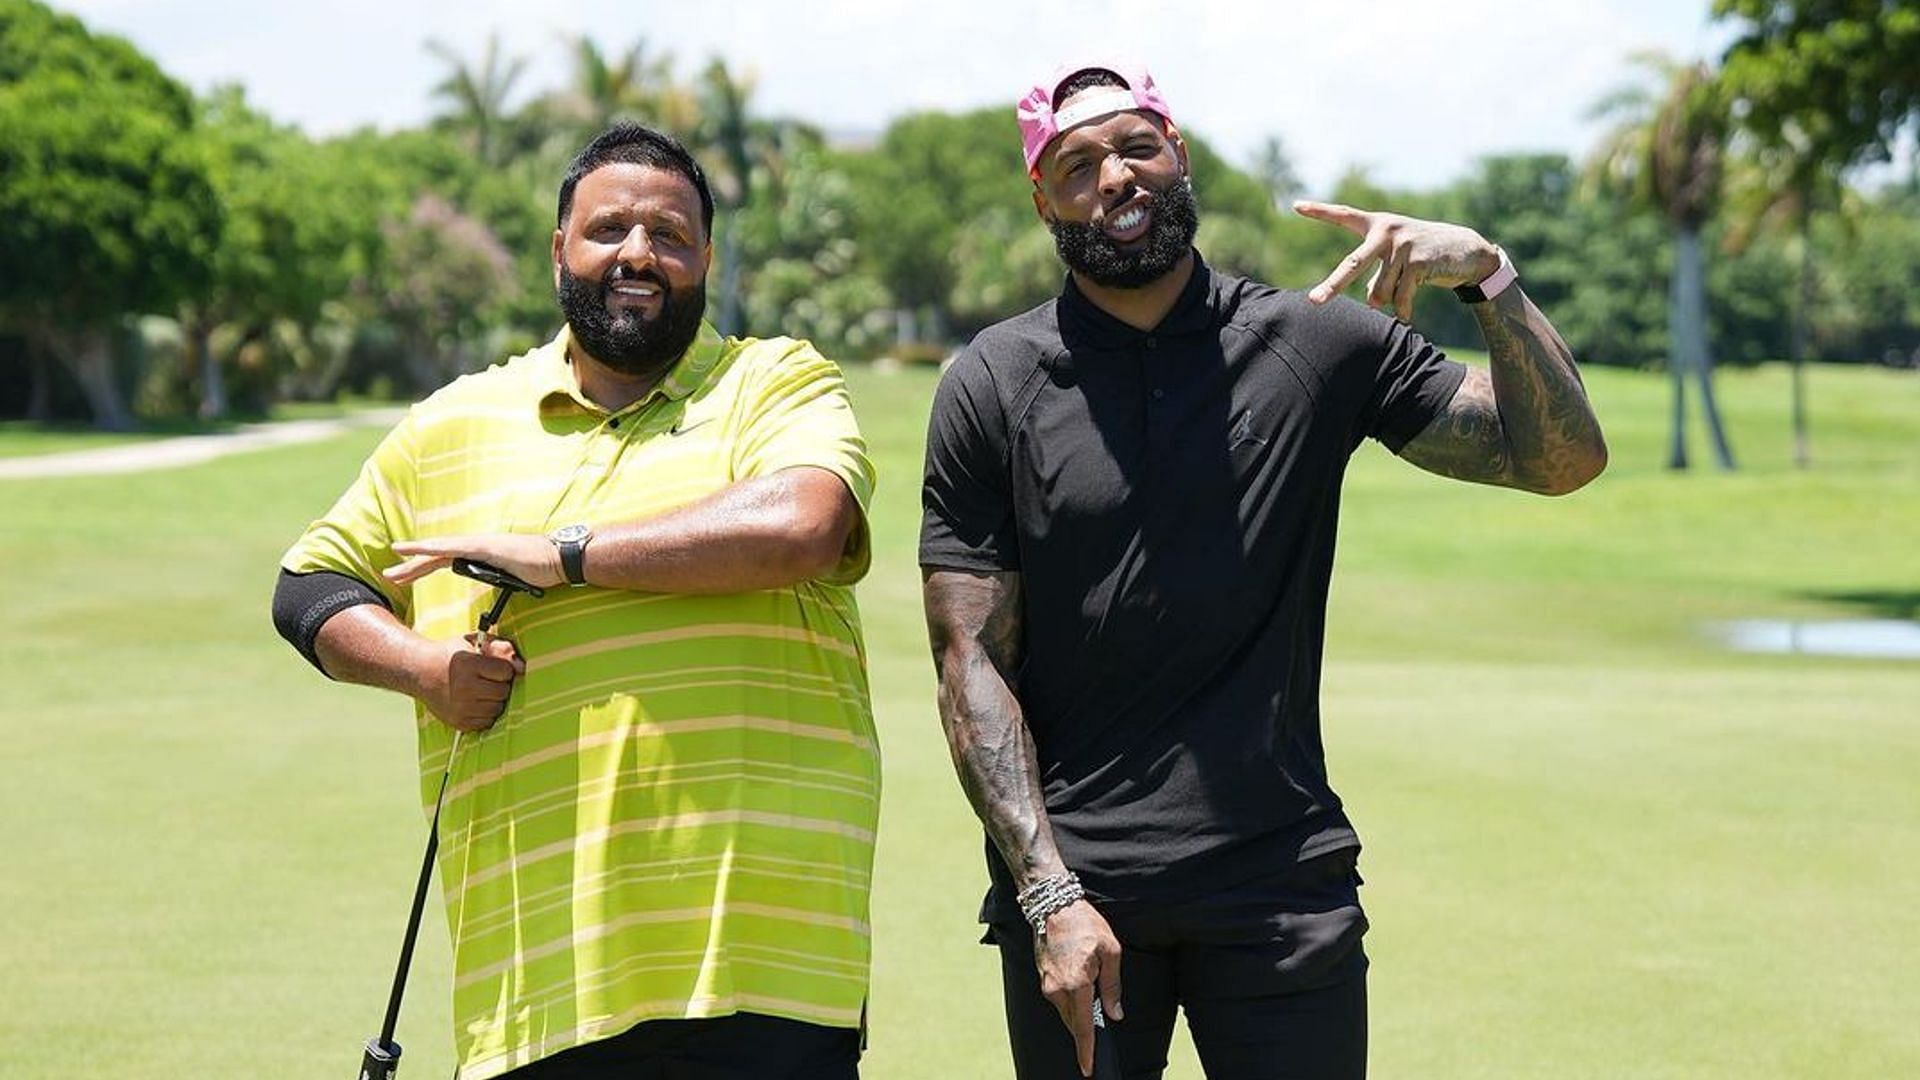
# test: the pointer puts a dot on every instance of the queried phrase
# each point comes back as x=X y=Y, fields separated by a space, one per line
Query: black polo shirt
x=1170 y=499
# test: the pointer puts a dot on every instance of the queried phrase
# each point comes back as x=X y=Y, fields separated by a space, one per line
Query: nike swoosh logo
x=681 y=427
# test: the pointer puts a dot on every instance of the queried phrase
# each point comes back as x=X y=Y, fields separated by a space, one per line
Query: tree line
x=167 y=254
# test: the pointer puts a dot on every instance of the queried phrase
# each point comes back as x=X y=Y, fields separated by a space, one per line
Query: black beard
x=628 y=342
x=1176 y=218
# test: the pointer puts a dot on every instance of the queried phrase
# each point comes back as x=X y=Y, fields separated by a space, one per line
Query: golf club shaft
x=382 y=1057
x=419 y=900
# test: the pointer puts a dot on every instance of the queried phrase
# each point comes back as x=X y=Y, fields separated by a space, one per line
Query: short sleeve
x=967 y=518
x=1413 y=382
x=798 y=413
x=356 y=536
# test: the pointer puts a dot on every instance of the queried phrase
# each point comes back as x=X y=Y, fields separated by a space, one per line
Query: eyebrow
x=651 y=214
x=1068 y=154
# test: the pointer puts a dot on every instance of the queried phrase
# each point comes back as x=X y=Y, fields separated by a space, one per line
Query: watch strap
x=1493 y=285
x=573 y=558
x=571 y=542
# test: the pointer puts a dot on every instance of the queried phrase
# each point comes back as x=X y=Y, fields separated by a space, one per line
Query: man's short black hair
x=1081 y=80
x=628 y=143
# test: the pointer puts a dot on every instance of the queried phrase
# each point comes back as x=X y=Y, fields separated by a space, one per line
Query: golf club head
x=488 y=574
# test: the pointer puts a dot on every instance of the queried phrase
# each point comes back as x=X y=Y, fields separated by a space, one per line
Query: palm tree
x=1666 y=152
x=605 y=88
x=747 y=152
x=477 y=95
x=1778 y=188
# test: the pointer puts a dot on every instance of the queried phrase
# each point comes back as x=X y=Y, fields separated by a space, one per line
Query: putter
x=382 y=1058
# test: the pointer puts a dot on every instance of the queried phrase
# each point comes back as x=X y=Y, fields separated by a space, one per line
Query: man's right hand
x=1077 y=956
x=467 y=688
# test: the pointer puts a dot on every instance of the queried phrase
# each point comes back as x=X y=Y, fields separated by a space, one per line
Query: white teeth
x=1128 y=220
x=635 y=290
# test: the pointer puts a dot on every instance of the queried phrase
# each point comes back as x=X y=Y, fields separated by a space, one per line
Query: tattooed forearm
x=974 y=623
x=1465 y=441
x=1527 y=422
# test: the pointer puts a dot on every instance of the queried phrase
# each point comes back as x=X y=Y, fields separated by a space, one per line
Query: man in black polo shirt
x=1130 y=504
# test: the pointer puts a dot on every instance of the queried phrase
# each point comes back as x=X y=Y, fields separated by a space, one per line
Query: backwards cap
x=1040 y=124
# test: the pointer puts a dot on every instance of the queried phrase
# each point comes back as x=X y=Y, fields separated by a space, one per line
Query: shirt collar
x=1192 y=313
x=555 y=381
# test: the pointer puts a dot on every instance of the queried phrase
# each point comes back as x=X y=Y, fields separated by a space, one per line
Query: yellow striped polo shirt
x=675 y=815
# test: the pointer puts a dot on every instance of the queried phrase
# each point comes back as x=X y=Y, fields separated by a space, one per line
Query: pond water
x=1884 y=639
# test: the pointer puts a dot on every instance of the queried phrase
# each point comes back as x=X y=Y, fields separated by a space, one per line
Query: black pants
x=1270 y=974
x=744 y=1046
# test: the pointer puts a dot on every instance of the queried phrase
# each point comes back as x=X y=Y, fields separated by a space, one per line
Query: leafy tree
x=927 y=181
x=799 y=259
x=1003 y=263
x=1819 y=86
x=106 y=210
x=741 y=150
x=1871 y=305
x=1840 y=77
x=1666 y=152
x=1584 y=259
x=443 y=279
x=297 y=234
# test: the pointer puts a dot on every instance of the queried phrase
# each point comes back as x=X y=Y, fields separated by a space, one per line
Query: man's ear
x=706 y=258
x=1040 y=204
x=1180 y=150
x=559 y=247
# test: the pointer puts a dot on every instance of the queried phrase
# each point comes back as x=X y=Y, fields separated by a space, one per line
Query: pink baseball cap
x=1040 y=124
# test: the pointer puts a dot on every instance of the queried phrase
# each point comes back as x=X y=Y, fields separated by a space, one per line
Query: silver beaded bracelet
x=1055 y=892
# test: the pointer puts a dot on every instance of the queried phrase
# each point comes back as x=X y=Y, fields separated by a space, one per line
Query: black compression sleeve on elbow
x=302 y=604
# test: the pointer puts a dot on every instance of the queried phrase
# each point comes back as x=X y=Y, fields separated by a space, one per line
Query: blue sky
x=1412 y=90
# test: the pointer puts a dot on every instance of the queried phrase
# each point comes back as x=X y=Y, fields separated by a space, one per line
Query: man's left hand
x=1411 y=253
x=530 y=557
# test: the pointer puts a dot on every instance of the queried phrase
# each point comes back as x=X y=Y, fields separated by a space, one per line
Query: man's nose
x=1116 y=175
x=636 y=250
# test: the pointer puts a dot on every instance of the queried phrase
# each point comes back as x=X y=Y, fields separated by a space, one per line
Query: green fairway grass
x=1598 y=846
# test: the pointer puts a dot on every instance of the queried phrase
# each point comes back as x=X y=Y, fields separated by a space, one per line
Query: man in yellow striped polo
x=658 y=836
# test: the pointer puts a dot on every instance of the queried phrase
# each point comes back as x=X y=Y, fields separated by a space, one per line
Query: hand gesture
x=1077 y=955
x=530 y=557
x=467 y=687
x=1411 y=253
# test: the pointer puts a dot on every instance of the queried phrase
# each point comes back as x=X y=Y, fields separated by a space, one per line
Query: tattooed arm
x=1527 y=422
x=974 y=622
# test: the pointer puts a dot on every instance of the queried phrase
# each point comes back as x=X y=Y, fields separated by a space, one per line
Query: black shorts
x=744 y=1046
x=1270 y=974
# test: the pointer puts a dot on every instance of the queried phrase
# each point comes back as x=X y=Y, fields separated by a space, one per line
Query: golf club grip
x=381 y=1062
x=1106 y=1051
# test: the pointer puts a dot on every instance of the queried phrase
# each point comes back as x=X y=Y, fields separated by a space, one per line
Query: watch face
x=571 y=534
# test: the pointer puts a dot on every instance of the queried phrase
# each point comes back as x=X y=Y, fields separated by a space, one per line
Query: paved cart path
x=181 y=450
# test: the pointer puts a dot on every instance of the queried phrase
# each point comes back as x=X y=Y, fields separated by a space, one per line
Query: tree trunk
x=1677 y=428
x=88 y=354
x=729 y=314
x=39 y=385
x=213 y=383
x=1679 y=365
x=1690 y=321
x=1799 y=345
x=426 y=367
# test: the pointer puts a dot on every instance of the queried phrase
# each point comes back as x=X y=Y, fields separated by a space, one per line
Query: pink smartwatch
x=1495 y=283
